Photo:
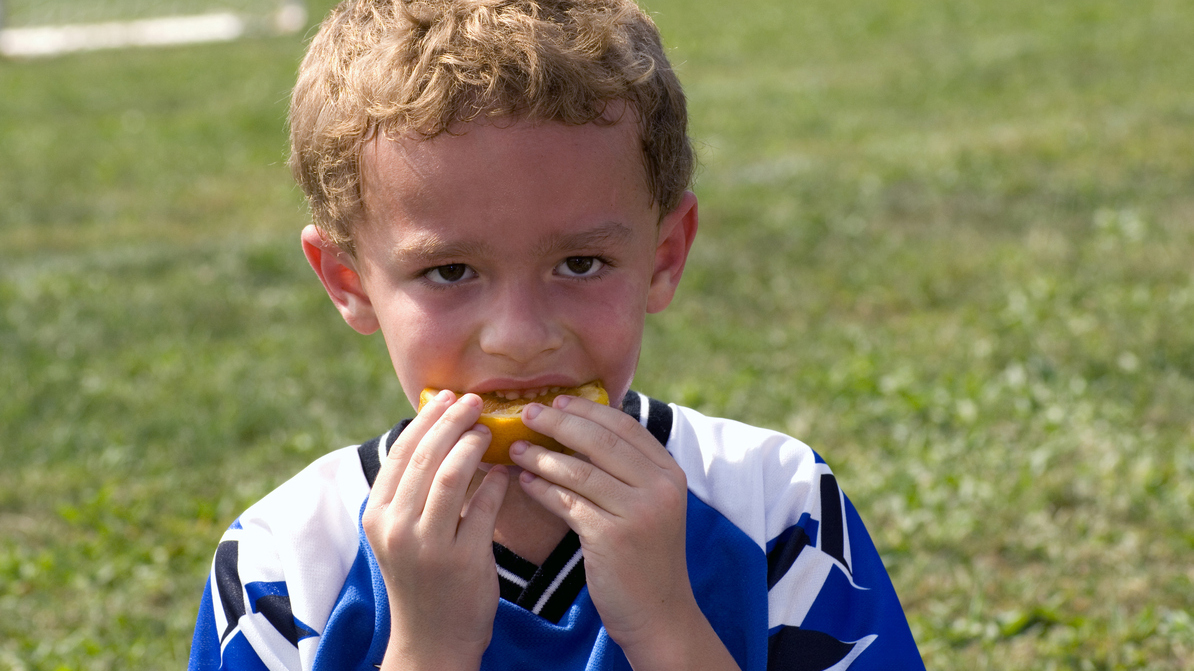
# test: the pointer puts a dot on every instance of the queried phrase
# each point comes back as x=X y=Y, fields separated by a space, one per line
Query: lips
x=513 y=389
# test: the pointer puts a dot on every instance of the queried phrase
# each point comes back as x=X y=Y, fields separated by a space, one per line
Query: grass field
x=950 y=245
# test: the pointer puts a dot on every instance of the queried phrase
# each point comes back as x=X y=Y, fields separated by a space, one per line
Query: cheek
x=610 y=324
x=421 y=341
x=613 y=346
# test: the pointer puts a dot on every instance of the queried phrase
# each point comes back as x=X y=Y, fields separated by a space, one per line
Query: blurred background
x=949 y=245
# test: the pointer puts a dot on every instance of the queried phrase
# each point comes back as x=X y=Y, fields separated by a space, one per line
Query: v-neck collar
x=548 y=590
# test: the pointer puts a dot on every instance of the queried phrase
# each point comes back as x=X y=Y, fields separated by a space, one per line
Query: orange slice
x=503 y=417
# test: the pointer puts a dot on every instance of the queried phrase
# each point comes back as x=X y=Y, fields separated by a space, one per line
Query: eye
x=580 y=266
x=452 y=273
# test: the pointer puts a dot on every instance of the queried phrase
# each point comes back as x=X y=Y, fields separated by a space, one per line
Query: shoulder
x=827 y=589
x=321 y=503
x=299 y=540
x=279 y=569
x=762 y=480
x=727 y=441
x=316 y=502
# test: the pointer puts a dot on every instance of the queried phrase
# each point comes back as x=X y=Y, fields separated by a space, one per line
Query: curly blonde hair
x=423 y=66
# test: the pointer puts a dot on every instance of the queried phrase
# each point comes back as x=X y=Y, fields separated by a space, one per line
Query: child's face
x=513 y=256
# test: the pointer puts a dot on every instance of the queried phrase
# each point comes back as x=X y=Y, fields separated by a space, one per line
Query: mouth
x=503 y=415
x=528 y=394
x=514 y=389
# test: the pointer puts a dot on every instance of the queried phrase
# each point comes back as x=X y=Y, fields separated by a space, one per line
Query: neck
x=523 y=526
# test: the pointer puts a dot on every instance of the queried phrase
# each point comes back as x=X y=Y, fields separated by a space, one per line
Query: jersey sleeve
x=245 y=626
x=829 y=601
x=831 y=604
x=279 y=570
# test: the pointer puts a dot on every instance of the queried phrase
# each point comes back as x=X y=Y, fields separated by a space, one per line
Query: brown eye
x=449 y=274
x=580 y=266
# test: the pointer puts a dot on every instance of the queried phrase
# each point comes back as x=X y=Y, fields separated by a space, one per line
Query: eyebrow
x=610 y=232
x=430 y=249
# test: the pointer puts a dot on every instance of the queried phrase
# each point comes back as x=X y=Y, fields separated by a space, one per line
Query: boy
x=499 y=187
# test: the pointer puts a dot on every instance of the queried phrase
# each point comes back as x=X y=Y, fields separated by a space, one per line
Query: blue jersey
x=779 y=561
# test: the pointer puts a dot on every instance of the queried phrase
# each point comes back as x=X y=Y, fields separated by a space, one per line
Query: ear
x=677 y=230
x=337 y=270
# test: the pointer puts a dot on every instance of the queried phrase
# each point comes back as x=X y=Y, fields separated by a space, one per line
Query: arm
x=434 y=550
x=626 y=498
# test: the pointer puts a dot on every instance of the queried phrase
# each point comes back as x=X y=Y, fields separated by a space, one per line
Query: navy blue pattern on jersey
x=855 y=620
x=784 y=552
x=795 y=649
x=833 y=530
x=272 y=600
x=228 y=581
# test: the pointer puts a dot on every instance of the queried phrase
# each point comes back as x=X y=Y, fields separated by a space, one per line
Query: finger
x=571 y=473
x=480 y=515
x=425 y=460
x=605 y=448
x=564 y=503
x=619 y=423
x=449 y=489
x=394 y=465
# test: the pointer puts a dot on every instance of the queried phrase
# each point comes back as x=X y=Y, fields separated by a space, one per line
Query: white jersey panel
x=761 y=480
x=305 y=533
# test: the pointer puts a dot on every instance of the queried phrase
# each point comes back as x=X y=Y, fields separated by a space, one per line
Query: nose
x=520 y=325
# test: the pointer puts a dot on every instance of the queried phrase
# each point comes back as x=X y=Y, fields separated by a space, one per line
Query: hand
x=627 y=499
x=434 y=549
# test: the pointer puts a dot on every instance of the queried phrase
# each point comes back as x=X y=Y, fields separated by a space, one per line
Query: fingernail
x=526 y=476
x=561 y=402
x=518 y=447
x=480 y=428
x=473 y=400
x=444 y=395
x=532 y=410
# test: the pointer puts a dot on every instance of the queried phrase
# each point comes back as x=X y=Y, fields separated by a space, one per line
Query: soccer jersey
x=779 y=562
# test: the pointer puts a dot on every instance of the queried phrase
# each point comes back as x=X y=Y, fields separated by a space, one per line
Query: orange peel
x=504 y=418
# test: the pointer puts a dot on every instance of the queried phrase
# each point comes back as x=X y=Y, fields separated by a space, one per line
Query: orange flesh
x=503 y=417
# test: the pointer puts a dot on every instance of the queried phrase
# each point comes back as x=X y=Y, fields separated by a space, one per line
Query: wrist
x=684 y=640
x=418 y=651
x=404 y=658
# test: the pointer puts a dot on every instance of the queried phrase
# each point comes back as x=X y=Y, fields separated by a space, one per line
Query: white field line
x=214 y=27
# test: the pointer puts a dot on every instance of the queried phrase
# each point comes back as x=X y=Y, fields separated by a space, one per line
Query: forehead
x=504 y=170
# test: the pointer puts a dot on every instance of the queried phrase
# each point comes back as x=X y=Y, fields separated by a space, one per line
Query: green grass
x=948 y=244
